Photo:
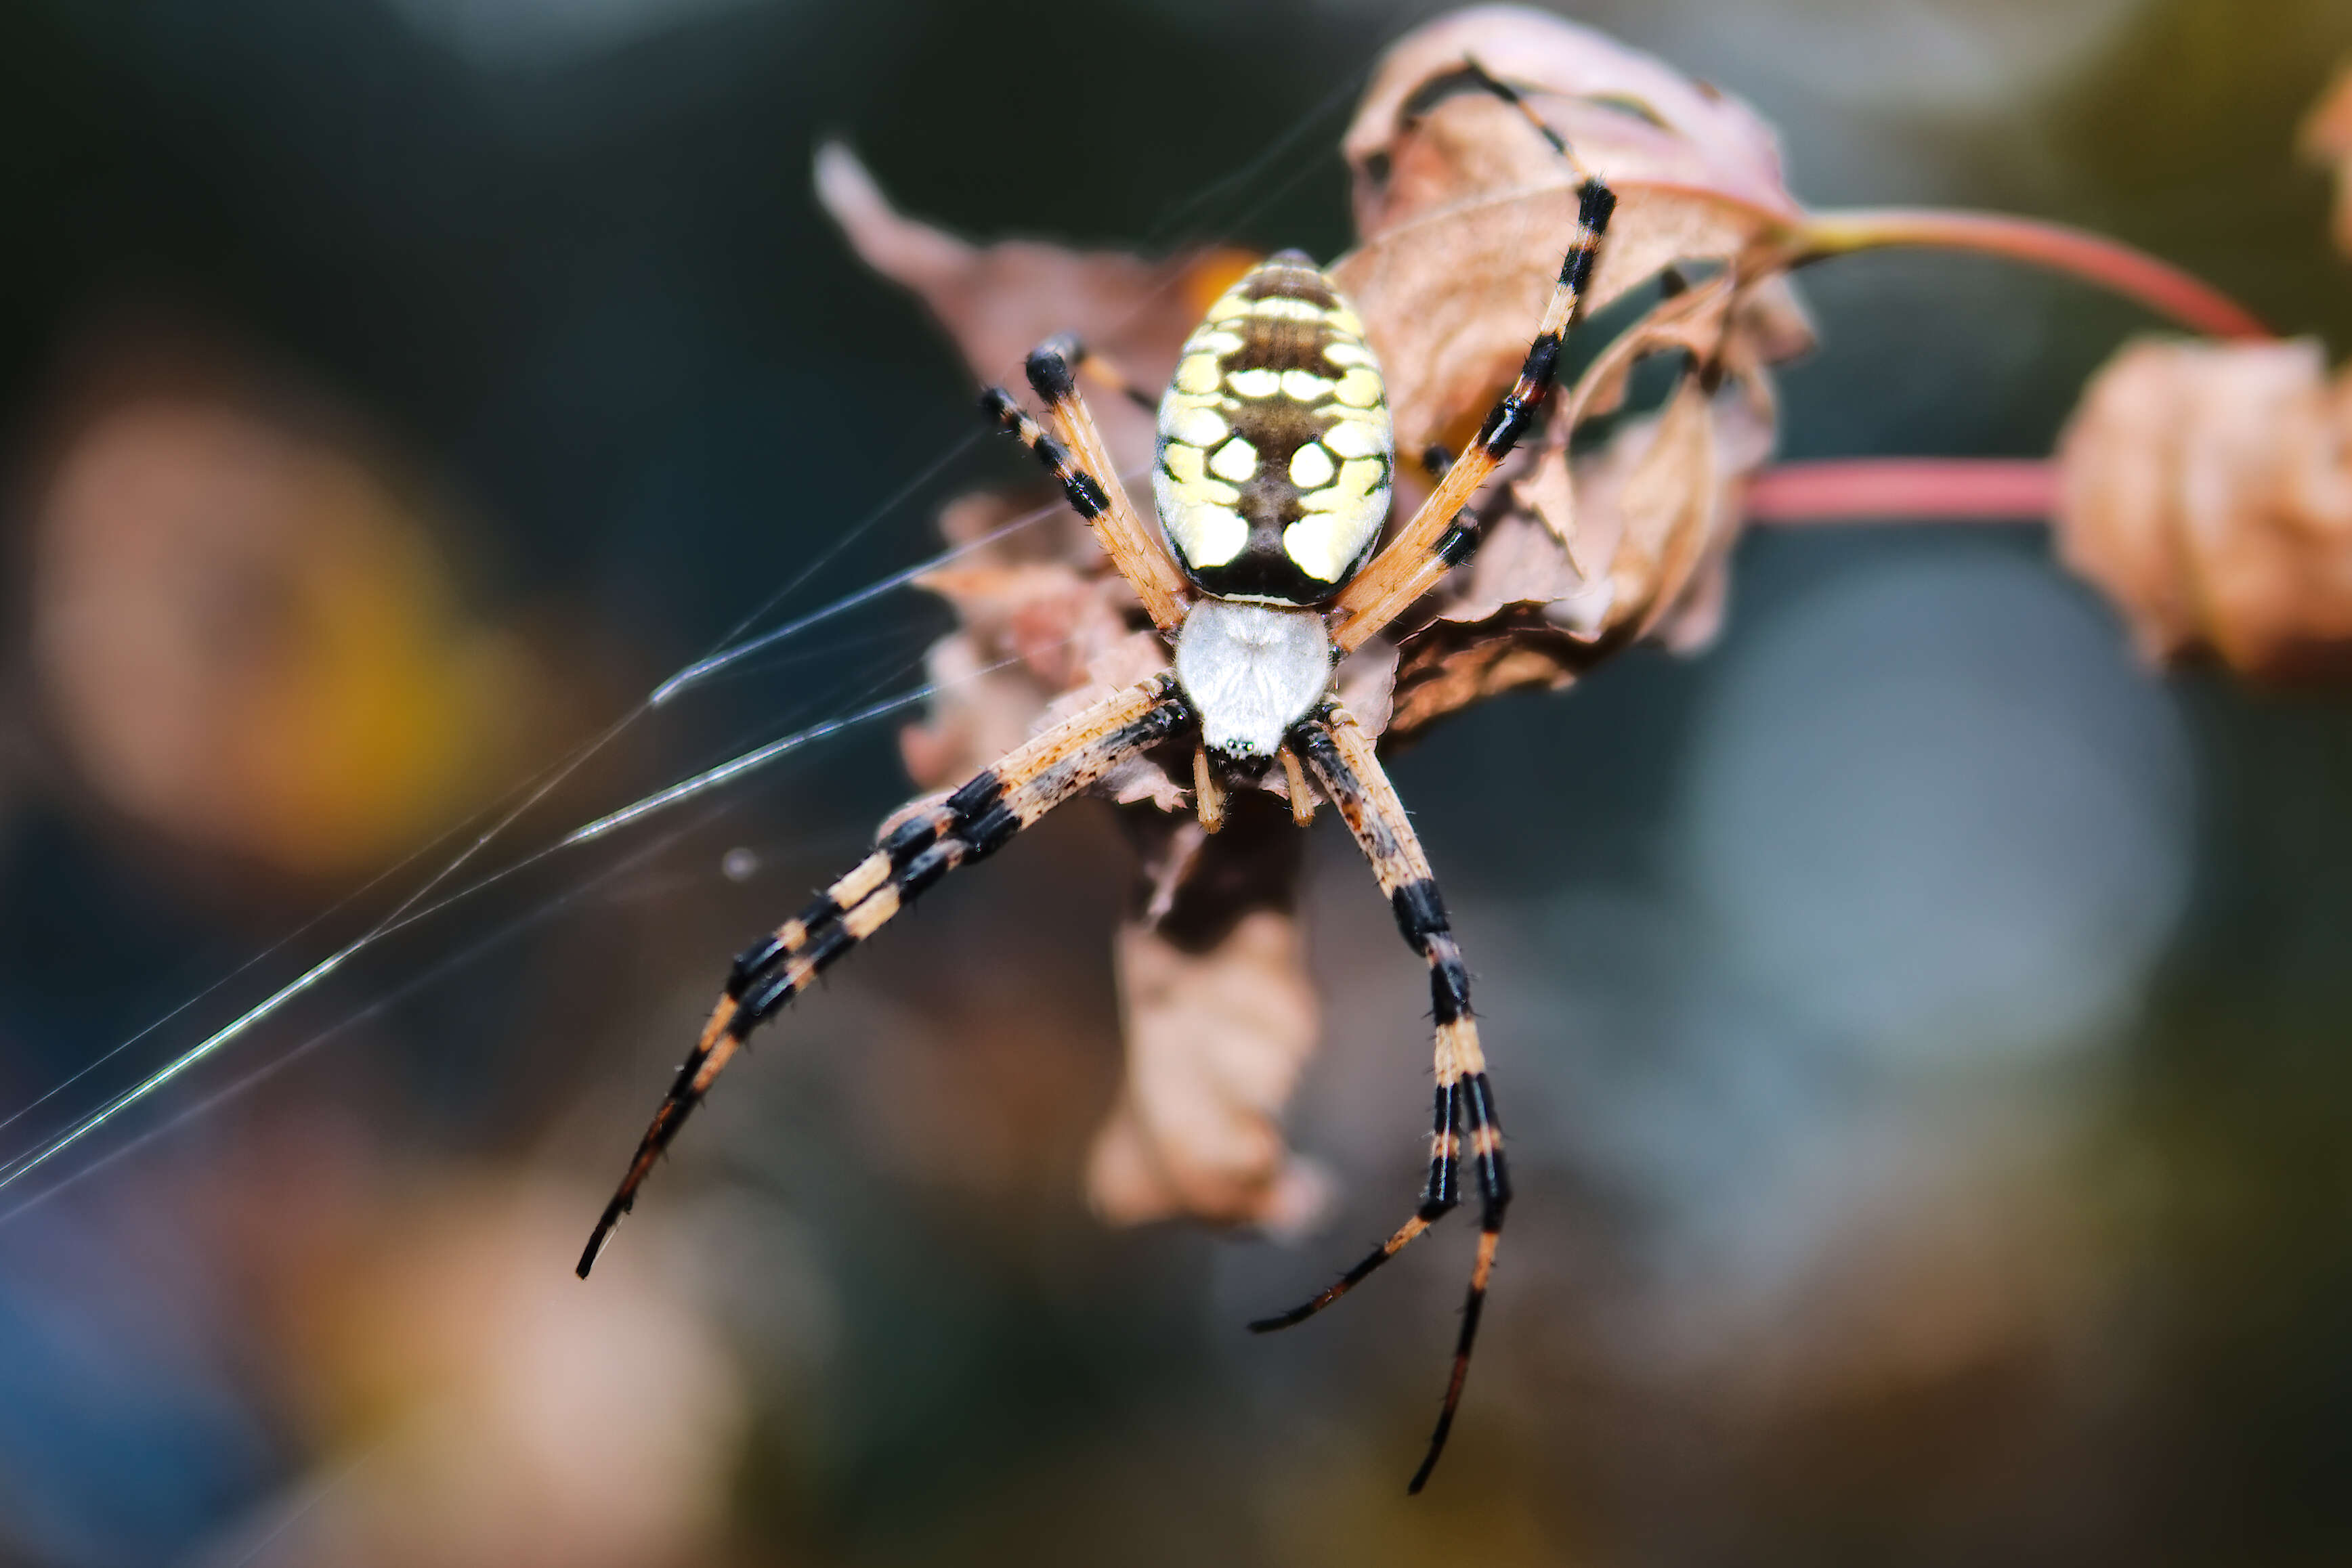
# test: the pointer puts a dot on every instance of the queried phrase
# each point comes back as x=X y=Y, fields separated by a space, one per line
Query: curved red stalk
x=2162 y=288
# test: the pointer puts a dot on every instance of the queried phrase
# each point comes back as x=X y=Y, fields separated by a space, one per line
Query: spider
x=1275 y=454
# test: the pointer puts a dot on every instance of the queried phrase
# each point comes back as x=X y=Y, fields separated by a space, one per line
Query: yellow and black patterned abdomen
x=1276 y=446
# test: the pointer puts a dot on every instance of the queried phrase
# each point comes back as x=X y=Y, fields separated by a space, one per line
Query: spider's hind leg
x=1340 y=754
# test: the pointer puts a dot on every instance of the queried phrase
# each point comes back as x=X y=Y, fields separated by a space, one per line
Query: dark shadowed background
x=1923 y=1032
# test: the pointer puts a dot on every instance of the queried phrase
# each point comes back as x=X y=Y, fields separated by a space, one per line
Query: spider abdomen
x=1275 y=445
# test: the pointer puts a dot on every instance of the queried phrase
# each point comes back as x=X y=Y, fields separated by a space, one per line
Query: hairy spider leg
x=1442 y=535
x=1488 y=79
x=1339 y=753
x=1051 y=368
x=1075 y=455
x=1104 y=372
x=964 y=828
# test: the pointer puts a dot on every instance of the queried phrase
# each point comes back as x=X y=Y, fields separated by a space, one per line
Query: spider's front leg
x=1340 y=754
x=962 y=828
x=1073 y=453
x=1442 y=535
x=1104 y=372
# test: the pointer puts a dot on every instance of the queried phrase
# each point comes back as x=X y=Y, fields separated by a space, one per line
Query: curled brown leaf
x=1464 y=210
x=1463 y=206
x=1655 y=512
x=2207 y=489
x=1215 y=1040
x=1039 y=638
x=1220 y=1019
x=996 y=302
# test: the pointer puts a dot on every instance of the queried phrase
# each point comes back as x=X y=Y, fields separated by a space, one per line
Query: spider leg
x=1441 y=535
x=1478 y=73
x=1340 y=754
x=1103 y=371
x=1074 y=454
x=962 y=828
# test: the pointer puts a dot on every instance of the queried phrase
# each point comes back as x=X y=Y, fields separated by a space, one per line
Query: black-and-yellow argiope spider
x=1275 y=457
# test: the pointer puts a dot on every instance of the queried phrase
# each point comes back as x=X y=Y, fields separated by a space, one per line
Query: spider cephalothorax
x=1276 y=458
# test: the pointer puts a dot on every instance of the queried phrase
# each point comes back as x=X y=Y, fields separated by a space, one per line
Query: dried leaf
x=2326 y=140
x=1769 y=325
x=1215 y=1040
x=1066 y=627
x=1449 y=302
x=1220 y=1019
x=2207 y=489
x=1463 y=206
x=1659 y=509
x=983 y=712
x=1693 y=324
x=999 y=301
x=1667 y=504
x=1464 y=209
x=1043 y=613
x=1745 y=430
x=1641 y=121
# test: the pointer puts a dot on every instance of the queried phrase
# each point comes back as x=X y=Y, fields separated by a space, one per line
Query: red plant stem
x=2162 y=286
x=1904 y=490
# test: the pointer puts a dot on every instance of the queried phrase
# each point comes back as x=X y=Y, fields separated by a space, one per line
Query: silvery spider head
x=1276 y=445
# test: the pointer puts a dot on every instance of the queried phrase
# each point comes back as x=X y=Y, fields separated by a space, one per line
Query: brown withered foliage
x=2207 y=489
x=1463 y=210
x=1459 y=204
x=1220 y=1016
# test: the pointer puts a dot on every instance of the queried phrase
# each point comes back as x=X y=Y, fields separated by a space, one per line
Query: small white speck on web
x=739 y=865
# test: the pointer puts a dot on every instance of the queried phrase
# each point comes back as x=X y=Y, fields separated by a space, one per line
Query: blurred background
x=1921 y=1029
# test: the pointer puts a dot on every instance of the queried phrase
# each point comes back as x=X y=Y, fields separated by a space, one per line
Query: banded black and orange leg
x=1074 y=454
x=1340 y=754
x=1442 y=535
x=964 y=828
x=1104 y=372
x=1492 y=83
